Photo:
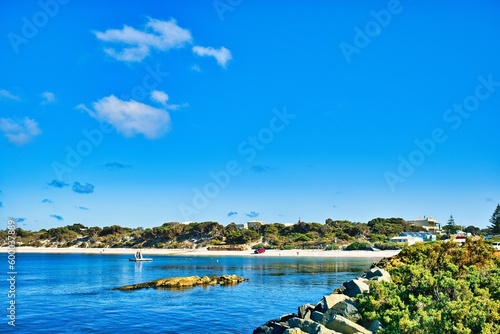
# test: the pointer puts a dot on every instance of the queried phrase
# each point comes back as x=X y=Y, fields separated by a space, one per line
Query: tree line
x=333 y=234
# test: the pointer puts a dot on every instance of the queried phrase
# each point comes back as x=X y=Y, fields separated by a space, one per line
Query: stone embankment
x=185 y=282
x=336 y=313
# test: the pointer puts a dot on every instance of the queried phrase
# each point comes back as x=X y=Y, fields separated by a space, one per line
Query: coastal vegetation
x=333 y=234
x=438 y=287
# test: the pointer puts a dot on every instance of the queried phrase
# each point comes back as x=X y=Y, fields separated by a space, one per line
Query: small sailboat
x=138 y=257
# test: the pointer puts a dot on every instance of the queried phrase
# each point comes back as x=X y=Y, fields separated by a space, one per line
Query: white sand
x=205 y=252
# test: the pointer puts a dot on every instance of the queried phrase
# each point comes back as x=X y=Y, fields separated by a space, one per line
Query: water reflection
x=138 y=266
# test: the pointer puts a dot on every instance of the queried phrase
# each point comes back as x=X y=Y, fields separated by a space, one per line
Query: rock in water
x=304 y=310
x=355 y=287
x=378 y=274
x=309 y=326
x=185 y=282
x=339 y=304
x=342 y=325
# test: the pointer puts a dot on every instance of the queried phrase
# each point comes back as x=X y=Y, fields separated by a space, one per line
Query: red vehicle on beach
x=259 y=251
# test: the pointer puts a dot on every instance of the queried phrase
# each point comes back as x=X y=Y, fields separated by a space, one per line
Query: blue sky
x=150 y=111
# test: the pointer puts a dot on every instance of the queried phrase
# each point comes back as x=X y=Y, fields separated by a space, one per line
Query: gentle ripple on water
x=72 y=293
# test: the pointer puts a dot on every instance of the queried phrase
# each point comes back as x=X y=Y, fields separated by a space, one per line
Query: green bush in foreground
x=438 y=288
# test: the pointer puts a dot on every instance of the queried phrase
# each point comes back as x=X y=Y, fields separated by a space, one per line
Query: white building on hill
x=250 y=224
x=428 y=223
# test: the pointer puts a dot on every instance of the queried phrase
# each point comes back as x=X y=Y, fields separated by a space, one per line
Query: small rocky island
x=335 y=314
x=185 y=282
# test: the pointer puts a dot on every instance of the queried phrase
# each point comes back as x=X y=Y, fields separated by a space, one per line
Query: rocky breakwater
x=185 y=282
x=335 y=313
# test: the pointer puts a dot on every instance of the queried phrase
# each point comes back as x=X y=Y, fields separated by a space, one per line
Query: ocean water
x=72 y=293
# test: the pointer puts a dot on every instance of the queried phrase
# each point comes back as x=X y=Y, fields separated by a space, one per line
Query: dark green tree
x=451 y=227
x=473 y=230
x=495 y=221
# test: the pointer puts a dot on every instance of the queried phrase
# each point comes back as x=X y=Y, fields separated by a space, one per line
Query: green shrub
x=437 y=287
x=389 y=245
x=378 y=238
x=301 y=237
x=332 y=247
x=358 y=245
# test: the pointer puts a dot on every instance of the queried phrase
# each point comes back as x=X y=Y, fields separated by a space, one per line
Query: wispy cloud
x=195 y=68
x=1 y=204
x=19 y=132
x=82 y=208
x=162 y=98
x=114 y=166
x=222 y=55
x=159 y=96
x=86 y=188
x=130 y=117
x=7 y=95
x=232 y=213
x=57 y=184
x=133 y=45
x=261 y=169
x=488 y=199
x=20 y=220
x=59 y=218
x=48 y=97
x=252 y=214
x=48 y=201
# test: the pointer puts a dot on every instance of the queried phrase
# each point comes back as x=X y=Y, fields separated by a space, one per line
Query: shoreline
x=205 y=252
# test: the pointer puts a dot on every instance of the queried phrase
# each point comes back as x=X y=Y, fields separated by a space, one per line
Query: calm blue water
x=70 y=293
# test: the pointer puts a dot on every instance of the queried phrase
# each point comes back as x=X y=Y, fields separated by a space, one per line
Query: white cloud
x=159 y=96
x=195 y=68
x=19 y=132
x=137 y=44
x=162 y=98
x=222 y=55
x=48 y=97
x=8 y=95
x=130 y=117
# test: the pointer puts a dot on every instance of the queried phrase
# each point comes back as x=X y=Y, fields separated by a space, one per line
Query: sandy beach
x=205 y=252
